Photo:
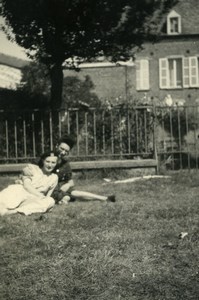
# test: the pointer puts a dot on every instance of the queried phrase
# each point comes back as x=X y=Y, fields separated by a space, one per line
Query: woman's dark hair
x=43 y=157
x=66 y=139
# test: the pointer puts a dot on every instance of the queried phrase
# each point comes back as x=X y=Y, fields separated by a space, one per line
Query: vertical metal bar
x=195 y=140
x=7 y=140
x=155 y=148
x=42 y=133
x=179 y=137
x=68 y=121
x=15 y=135
x=112 y=133
x=103 y=131
x=86 y=130
x=128 y=131
x=145 y=132
x=77 y=128
x=187 y=130
x=120 y=133
x=51 y=130
x=137 y=129
x=24 y=137
x=140 y=122
x=95 y=132
x=59 y=124
x=171 y=132
x=197 y=121
x=163 y=130
x=33 y=134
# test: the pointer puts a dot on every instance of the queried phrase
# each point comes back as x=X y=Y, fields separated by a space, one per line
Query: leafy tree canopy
x=54 y=31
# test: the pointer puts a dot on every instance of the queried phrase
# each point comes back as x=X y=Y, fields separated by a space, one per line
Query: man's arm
x=66 y=186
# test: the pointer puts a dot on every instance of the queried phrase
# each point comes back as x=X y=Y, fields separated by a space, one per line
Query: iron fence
x=177 y=136
x=118 y=132
x=170 y=133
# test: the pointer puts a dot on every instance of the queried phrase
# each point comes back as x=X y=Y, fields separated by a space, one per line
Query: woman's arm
x=49 y=193
x=29 y=188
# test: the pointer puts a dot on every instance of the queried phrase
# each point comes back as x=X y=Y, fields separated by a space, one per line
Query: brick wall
x=167 y=47
x=120 y=81
x=109 y=82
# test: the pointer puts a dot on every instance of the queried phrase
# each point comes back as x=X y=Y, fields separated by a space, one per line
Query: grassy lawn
x=90 y=250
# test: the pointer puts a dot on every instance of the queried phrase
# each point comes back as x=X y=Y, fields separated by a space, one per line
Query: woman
x=32 y=193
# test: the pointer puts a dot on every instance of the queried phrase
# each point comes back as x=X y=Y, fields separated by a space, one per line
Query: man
x=65 y=191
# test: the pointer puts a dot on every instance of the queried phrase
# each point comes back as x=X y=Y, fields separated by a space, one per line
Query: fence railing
x=177 y=136
x=119 y=132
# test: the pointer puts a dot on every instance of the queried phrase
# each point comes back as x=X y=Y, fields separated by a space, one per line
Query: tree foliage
x=54 y=31
x=76 y=93
x=35 y=79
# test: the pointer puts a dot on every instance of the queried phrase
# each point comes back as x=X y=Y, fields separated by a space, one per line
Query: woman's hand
x=27 y=184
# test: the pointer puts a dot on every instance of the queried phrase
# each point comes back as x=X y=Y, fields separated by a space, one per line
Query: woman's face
x=49 y=164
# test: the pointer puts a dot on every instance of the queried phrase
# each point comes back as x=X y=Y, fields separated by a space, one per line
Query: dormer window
x=173 y=23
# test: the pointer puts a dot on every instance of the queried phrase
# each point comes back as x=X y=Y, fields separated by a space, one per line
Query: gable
x=188 y=11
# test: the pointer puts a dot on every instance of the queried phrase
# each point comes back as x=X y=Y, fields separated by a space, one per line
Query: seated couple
x=43 y=185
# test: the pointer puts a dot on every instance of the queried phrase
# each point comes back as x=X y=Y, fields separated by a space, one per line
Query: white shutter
x=186 y=72
x=145 y=73
x=142 y=75
x=163 y=73
x=138 y=76
x=193 y=71
x=190 y=72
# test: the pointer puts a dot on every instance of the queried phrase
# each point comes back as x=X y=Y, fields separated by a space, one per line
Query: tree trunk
x=56 y=75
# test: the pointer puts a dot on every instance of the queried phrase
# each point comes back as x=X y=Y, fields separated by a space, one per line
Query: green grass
x=92 y=250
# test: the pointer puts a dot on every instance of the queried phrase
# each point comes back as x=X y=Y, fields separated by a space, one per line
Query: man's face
x=63 y=150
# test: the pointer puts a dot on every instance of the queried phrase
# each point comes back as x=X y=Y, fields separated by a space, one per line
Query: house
x=167 y=70
x=171 y=66
x=10 y=71
x=168 y=67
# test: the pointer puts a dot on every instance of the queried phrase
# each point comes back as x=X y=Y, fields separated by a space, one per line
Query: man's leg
x=90 y=196
x=61 y=196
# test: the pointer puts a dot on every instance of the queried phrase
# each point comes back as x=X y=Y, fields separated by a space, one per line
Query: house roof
x=12 y=61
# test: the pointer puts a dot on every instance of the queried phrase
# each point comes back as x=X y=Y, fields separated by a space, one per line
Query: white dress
x=15 y=198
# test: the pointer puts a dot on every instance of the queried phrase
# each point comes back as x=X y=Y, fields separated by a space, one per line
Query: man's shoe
x=111 y=198
x=65 y=200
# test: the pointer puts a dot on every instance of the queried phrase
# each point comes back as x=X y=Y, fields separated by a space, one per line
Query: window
x=142 y=75
x=173 y=23
x=179 y=72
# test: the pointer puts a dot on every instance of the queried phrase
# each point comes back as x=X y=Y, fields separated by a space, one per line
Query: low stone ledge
x=91 y=165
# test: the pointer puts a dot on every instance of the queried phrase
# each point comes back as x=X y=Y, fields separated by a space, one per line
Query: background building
x=167 y=70
x=168 y=67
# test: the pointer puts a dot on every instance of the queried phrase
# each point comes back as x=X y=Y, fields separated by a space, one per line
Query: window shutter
x=142 y=74
x=186 y=72
x=193 y=71
x=138 y=71
x=163 y=73
x=145 y=74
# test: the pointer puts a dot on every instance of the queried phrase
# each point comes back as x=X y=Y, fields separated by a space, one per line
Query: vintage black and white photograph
x=99 y=149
